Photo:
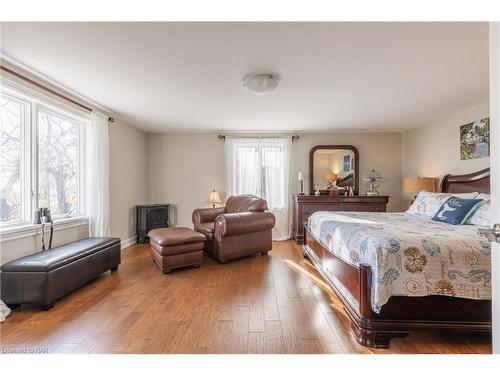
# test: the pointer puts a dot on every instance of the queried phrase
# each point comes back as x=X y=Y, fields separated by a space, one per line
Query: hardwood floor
x=259 y=304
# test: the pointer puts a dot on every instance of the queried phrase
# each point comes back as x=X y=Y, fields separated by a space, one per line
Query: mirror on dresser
x=334 y=169
x=323 y=160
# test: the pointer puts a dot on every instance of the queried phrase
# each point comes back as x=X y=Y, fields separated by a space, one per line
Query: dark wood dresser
x=151 y=216
x=306 y=205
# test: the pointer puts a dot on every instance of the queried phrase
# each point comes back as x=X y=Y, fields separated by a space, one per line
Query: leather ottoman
x=176 y=247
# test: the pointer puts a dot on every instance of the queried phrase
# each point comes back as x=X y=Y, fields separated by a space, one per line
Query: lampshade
x=300 y=176
x=330 y=177
x=214 y=197
x=416 y=184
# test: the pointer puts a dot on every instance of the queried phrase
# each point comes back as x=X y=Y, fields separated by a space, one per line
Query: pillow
x=481 y=216
x=456 y=211
x=428 y=203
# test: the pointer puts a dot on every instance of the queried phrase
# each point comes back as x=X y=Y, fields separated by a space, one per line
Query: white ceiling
x=335 y=76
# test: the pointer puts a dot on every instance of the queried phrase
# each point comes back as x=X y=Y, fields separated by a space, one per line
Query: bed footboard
x=352 y=285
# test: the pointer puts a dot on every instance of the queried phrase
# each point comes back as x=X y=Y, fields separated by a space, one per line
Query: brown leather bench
x=44 y=277
x=176 y=247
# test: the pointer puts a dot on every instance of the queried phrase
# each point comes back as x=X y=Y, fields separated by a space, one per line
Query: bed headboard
x=467 y=183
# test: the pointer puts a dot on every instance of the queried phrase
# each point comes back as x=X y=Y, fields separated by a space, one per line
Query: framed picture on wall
x=475 y=139
x=347 y=163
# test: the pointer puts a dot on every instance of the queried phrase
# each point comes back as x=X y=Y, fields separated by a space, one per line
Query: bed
x=397 y=272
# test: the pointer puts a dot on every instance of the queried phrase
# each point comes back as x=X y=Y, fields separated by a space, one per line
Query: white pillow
x=481 y=216
x=427 y=203
x=484 y=196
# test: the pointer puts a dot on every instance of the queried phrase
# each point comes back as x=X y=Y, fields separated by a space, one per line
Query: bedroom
x=133 y=147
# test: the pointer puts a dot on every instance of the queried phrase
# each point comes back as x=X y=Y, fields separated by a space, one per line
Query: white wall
x=128 y=177
x=185 y=167
x=433 y=150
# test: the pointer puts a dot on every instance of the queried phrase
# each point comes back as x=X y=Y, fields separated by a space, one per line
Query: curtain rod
x=53 y=92
x=223 y=137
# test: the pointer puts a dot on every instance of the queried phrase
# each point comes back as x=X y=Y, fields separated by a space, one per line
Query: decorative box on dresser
x=306 y=205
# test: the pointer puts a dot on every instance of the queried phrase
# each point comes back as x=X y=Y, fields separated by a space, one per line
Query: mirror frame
x=334 y=147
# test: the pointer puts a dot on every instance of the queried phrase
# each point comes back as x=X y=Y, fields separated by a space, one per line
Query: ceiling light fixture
x=261 y=84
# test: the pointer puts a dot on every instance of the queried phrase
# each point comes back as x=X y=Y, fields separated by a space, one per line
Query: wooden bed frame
x=400 y=315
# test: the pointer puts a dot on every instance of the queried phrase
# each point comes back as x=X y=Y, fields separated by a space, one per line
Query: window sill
x=27 y=230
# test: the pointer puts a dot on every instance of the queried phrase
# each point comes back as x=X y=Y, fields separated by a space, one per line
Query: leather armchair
x=243 y=227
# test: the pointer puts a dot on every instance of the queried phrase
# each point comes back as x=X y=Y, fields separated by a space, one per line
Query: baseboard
x=128 y=242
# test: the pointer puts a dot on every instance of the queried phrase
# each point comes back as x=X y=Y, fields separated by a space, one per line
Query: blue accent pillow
x=456 y=211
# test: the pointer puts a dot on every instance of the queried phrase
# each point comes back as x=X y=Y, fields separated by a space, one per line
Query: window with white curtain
x=260 y=166
x=13 y=115
x=41 y=158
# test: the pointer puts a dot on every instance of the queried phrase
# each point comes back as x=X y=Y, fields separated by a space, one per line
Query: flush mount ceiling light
x=261 y=84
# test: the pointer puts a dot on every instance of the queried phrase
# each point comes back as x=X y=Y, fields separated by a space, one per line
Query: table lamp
x=300 y=178
x=214 y=198
x=330 y=178
x=416 y=184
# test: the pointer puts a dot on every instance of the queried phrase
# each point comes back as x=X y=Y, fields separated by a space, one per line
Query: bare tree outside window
x=58 y=165
x=11 y=117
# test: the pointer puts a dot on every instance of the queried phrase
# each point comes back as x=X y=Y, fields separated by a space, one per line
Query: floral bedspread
x=410 y=255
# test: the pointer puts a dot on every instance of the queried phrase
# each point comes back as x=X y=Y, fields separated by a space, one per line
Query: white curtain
x=261 y=166
x=98 y=175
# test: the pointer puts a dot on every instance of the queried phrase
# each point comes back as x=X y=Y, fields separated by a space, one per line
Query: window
x=260 y=166
x=12 y=184
x=58 y=163
x=260 y=170
x=41 y=158
x=248 y=177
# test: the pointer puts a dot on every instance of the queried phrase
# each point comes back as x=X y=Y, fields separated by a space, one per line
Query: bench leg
x=47 y=307
x=114 y=269
x=167 y=270
x=264 y=253
x=13 y=306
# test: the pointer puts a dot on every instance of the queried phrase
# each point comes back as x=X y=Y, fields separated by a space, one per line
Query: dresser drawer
x=363 y=207
x=306 y=205
x=351 y=207
x=377 y=208
x=310 y=208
